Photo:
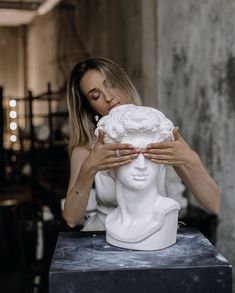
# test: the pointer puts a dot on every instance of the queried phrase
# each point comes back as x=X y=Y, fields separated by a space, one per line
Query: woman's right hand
x=108 y=156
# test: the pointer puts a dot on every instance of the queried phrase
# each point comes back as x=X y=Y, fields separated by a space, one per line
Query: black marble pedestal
x=86 y=263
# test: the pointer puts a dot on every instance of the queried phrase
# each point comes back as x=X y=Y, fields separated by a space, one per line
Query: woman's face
x=101 y=94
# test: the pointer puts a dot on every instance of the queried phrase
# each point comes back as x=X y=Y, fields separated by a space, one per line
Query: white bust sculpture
x=144 y=219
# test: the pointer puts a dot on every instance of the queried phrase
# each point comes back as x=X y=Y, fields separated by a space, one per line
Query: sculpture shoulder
x=167 y=203
x=105 y=188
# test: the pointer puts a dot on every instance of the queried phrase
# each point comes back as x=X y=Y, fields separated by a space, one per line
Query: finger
x=121 y=153
x=166 y=162
x=119 y=164
x=120 y=146
x=176 y=133
x=123 y=158
x=160 y=145
x=110 y=159
x=167 y=151
x=127 y=157
x=114 y=165
x=161 y=157
x=129 y=152
x=164 y=157
x=101 y=137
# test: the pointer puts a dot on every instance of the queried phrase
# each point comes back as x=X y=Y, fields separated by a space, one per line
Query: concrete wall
x=73 y=31
x=196 y=88
x=12 y=59
x=41 y=53
x=123 y=31
x=149 y=49
x=86 y=28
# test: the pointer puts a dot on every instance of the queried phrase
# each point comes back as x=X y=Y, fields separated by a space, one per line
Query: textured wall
x=42 y=64
x=149 y=46
x=111 y=29
x=12 y=76
x=79 y=29
x=196 y=88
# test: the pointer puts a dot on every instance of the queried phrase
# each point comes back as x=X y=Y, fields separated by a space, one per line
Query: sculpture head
x=139 y=126
x=143 y=218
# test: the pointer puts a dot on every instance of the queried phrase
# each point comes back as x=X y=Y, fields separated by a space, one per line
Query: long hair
x=81 y=114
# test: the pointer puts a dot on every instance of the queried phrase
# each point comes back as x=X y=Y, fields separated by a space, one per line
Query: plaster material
x=144 y=218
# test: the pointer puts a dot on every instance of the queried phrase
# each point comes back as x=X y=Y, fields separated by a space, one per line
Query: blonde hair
x=81 y=114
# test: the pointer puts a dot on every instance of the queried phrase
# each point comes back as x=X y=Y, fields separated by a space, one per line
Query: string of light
x=13 y=124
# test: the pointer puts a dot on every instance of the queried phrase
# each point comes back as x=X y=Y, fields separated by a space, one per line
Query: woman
x=95 y=87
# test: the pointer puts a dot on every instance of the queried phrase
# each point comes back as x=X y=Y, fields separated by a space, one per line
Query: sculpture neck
x=135 y=201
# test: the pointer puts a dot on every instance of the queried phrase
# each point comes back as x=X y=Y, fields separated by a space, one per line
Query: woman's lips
x=114 y=106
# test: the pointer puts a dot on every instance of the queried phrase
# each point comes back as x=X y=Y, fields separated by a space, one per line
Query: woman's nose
x=140 y=162
x=108 y=95
x=108 y=98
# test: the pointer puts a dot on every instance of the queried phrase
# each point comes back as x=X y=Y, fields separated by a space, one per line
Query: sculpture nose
x=140 y=162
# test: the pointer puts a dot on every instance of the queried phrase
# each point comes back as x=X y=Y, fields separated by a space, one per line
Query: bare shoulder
x=80 y=153
x=78 y=156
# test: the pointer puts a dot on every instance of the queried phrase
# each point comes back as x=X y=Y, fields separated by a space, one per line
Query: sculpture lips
x=140 y=177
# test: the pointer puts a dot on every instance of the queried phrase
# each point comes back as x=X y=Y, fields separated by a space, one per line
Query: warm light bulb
x=13 y=125
x=12 y=114
x=12 y=103
x=13 y=138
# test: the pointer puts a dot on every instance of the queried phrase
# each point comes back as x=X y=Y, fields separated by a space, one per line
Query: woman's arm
x=189 y=167
x=82 y=179
x=199 y=182
x=84 y=164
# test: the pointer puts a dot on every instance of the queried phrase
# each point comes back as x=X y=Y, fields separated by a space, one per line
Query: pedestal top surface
x=76 y=251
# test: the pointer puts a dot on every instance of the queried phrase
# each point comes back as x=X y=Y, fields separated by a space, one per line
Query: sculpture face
x=141 y=172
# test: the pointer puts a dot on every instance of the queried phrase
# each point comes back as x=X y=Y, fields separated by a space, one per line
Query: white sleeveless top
x=103 y=200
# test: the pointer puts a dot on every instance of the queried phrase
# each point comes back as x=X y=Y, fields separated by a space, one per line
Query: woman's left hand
x=175 y=153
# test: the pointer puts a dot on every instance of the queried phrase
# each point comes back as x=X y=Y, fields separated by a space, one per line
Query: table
x=84 y=262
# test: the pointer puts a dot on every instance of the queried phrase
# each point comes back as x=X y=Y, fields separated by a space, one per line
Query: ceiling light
x=47 y=6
